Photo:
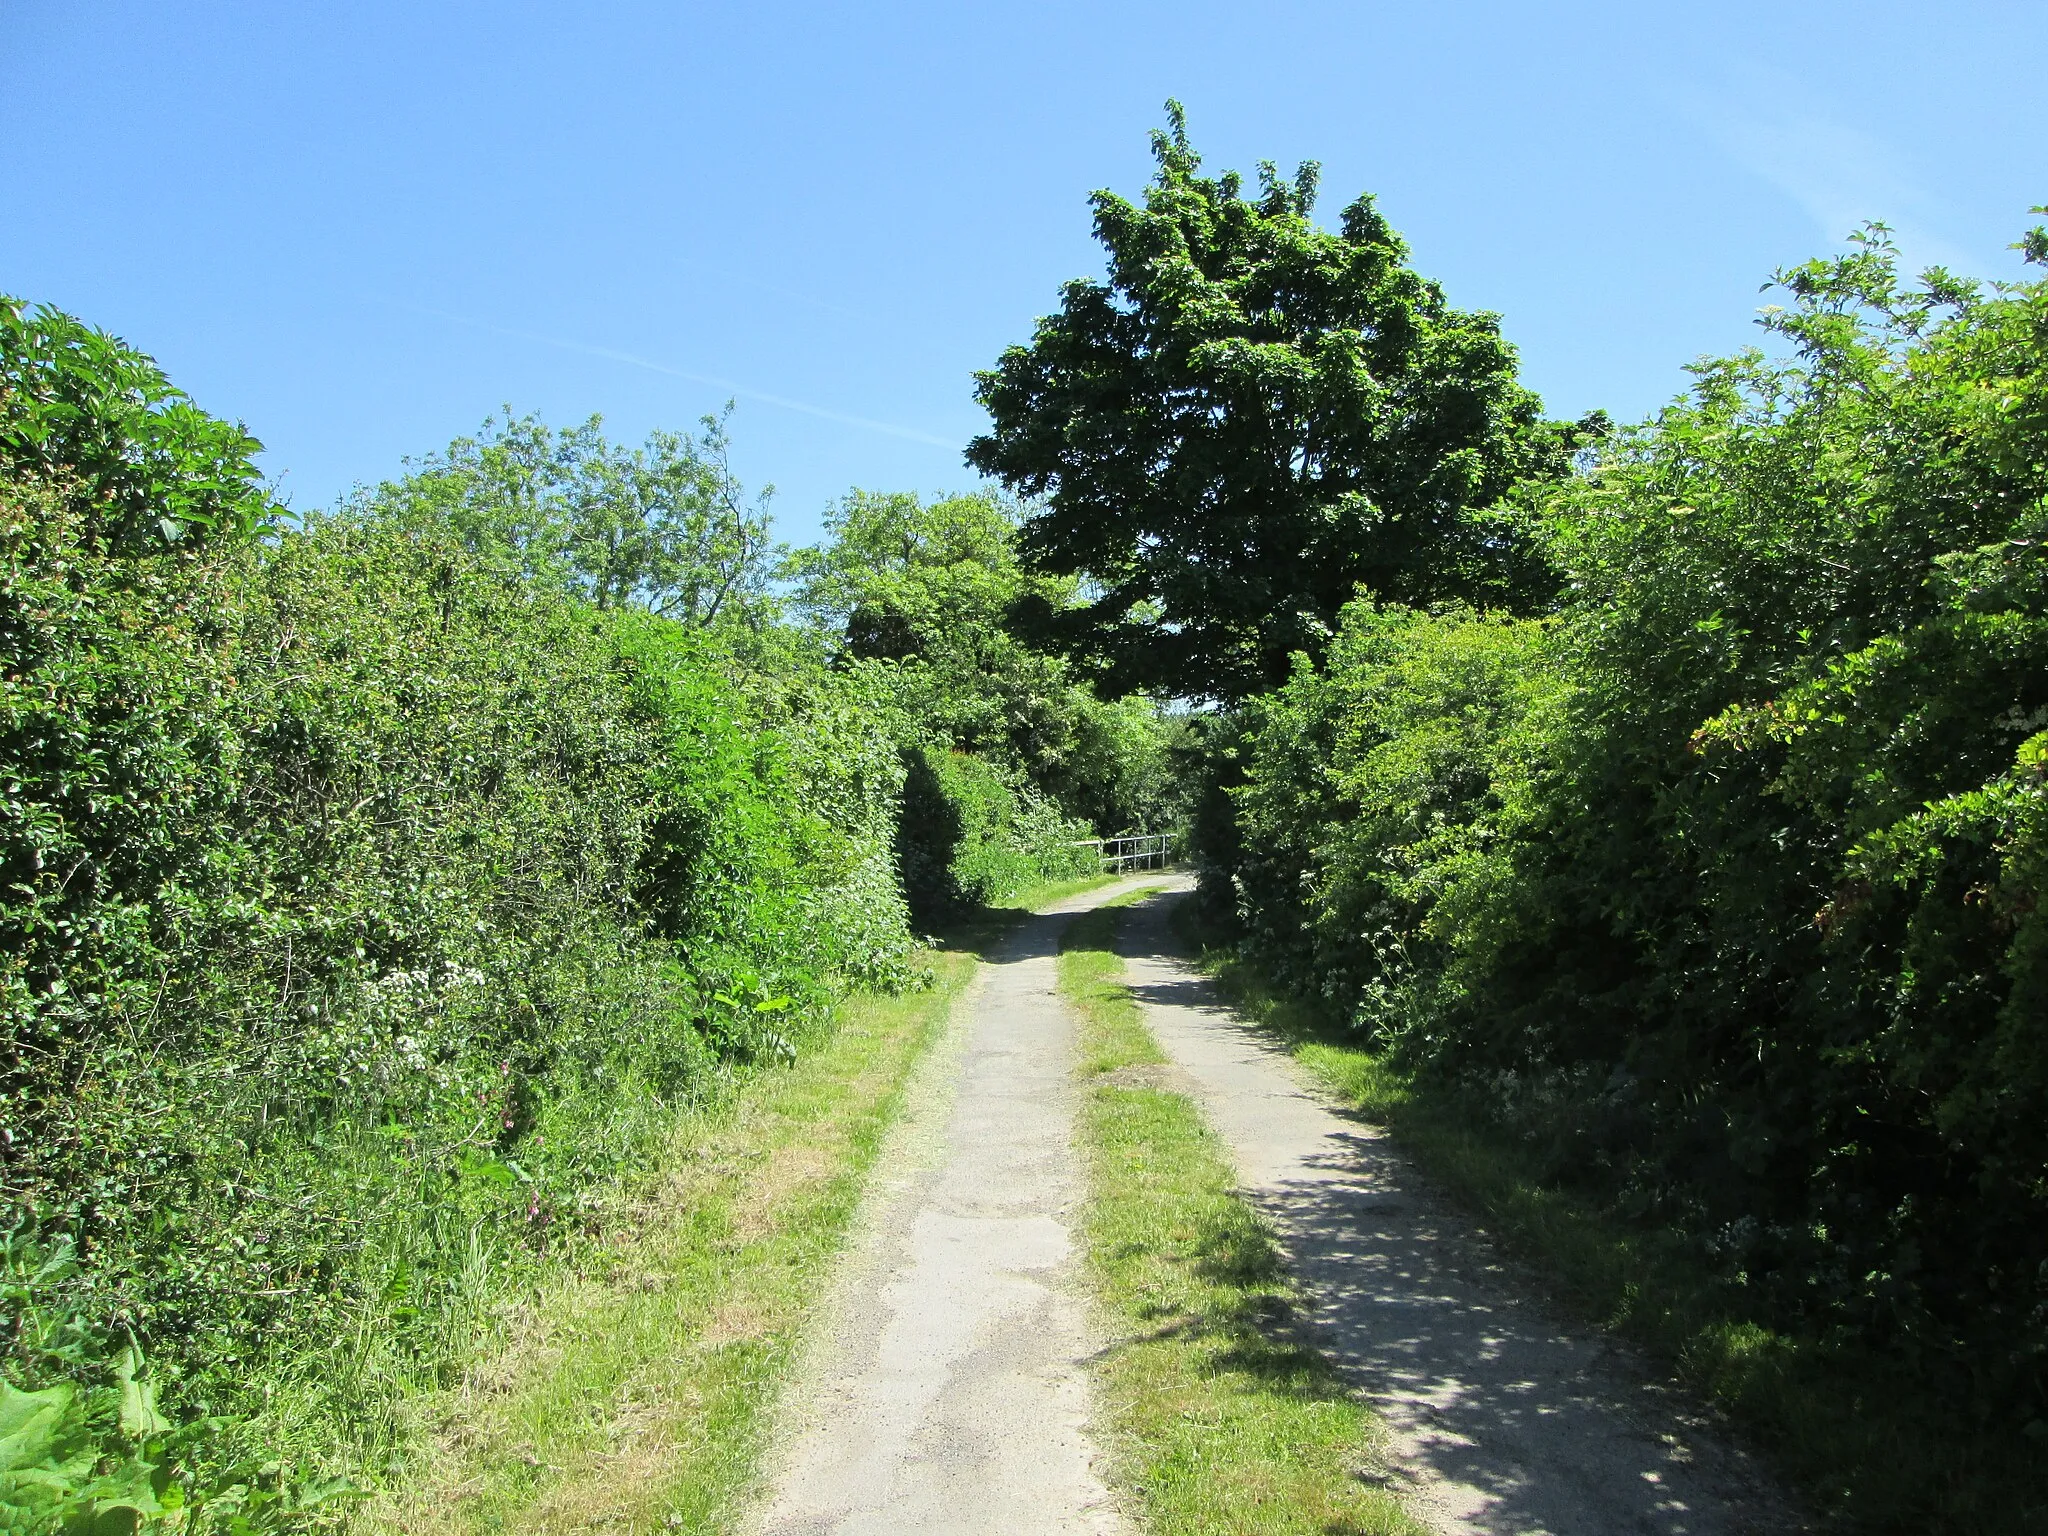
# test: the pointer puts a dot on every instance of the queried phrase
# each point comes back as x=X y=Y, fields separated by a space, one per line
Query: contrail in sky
x=1839 y=173
x=614 y=355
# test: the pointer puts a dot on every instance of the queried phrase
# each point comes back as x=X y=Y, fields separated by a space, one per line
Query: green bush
x=920 y=597
x=151 y=468
x=1373 y=801
x=369 y=909
x=1722 y=890
x=971 y=835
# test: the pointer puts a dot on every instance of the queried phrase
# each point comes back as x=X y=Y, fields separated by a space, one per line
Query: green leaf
x=140 y=1419
x=488 y=1169
x=29 y=1423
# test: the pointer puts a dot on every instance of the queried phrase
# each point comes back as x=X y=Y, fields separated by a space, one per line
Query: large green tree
x=1251 y=418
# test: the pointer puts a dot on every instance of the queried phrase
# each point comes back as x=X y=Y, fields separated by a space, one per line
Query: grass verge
x=1864 y=1438
x=630 y=1393
x=1046 y=892
x=1223 y=1417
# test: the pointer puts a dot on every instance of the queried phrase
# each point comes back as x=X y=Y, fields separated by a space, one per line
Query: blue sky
x=361 y=228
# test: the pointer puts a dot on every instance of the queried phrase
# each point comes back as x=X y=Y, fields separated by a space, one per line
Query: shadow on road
x=1503 y=1420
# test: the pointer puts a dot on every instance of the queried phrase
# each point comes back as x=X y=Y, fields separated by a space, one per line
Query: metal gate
x=1143 y=850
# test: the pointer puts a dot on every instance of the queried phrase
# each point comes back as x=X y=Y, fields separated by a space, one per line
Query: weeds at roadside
x=634 y=1390
x=1224 y=1417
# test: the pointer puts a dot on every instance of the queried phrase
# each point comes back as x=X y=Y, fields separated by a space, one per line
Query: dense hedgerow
x=368 y=908
x=1723 y=888
x=971 y=834
x=1371 y=806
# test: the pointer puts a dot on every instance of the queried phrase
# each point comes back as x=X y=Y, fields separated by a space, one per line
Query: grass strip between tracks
x=1222 y=1417
x=632 y=1392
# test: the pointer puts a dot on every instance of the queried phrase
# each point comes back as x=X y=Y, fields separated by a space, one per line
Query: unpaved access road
x=947 y=1392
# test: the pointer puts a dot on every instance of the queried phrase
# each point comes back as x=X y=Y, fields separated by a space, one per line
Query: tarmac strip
x=946 y=1389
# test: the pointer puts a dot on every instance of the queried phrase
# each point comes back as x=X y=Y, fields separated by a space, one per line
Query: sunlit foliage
x=1722 y=887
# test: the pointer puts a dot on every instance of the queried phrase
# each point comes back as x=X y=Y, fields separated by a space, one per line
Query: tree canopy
x=83 y=408
x=666 y=526
x=899 y=576
x=1249 y=420
x=922 y=591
